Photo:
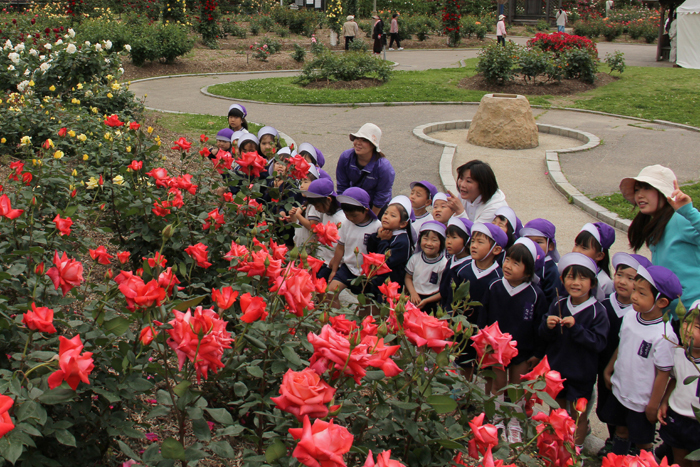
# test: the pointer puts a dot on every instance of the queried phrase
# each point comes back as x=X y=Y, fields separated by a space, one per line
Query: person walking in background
x=609 y=4
x=378 y=34
x=350 y=30
x=501 y=29
x=673 y=35
x=561 y=20
x=394 y=32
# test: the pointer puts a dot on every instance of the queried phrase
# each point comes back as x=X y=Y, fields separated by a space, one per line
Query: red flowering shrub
x=560 y=42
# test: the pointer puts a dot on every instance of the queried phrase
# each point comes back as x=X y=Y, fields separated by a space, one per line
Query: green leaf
x=193 y=302
x=110 y=396
x=222 y=449
x=256 y=342
x=181 y=388
x=255 y=371
x=240 y=389
x=547 y=399
x=449 y=444
x=65 y=437
x=443 y=358
x=172 y=449
x=10 y=449
x=117 y=326
x=220 y=416
x=128 y=451
x=404 y=405
x=275 y=451
x=693 y=456
x=192 y=454
x=140 y=384
x=57 y=396
x=201 y=429
x=374 y=375
x=696 y=411
x=690 y=379
x=442 y=404
x=291 y=355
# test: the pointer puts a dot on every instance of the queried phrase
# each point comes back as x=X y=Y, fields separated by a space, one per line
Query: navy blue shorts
x=641 y=430
x=681 y=432
x=345 y=277
x=574 y=390
x=324 y=272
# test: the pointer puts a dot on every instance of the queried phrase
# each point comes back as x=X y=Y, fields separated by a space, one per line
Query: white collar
x=397 y=232
x=437 y=259
x=479 y=273
x=619 y=308
x=423 y=216
x=514 y=290
x=576 y=308
x=476 y=202
x=456 y=261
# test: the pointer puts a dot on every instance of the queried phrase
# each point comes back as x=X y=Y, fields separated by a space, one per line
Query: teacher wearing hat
x=350 y=30
x=366 y=167
x=501 y=30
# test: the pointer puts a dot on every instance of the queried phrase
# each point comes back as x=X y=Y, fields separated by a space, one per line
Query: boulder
x=504 y=121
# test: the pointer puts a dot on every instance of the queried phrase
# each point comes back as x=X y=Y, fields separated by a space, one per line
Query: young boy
x=422 y=194
x=542 y=232
x=639 y=370
x=441 y=209
x=680 y=427
x=346 y=264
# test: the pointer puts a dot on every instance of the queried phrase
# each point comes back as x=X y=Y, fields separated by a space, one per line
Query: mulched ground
x=537 y=88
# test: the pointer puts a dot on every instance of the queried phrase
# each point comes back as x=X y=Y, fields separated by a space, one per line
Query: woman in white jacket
x=479 y=197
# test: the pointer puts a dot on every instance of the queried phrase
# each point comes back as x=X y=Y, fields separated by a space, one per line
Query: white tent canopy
x=688 y=24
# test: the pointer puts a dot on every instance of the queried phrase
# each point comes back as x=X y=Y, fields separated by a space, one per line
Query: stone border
x=554 y=172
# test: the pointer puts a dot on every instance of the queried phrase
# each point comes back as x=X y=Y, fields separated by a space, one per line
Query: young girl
x=576 y=328
x=236 y=117
x=269 y=141
x=542 y=232
x=314 y=156
x=395 y=235
x=457 y=238
x=594 y=241
x=323 y=208
x=510 y=224
x=518 y=305
x=221 y=155
x=422 y=194
x=442 y=211
x=425 y=268
x=305 y=211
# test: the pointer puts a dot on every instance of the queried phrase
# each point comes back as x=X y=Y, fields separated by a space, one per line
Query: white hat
x=268 y=130
x=237 y=134
x=350 y=17
x=404 y=201
x=500 y=17
x=439 y=197
x=248 y=137
x=287 y=151
x=313 y=170
x=371 y=133
x=658 y=176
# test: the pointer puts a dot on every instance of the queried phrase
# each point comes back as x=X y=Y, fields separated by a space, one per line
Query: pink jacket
x=501 y=28
x=394 y=26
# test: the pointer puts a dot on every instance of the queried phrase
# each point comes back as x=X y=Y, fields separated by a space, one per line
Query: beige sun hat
x=371 y=133
x=658 y=176
x=350 y=17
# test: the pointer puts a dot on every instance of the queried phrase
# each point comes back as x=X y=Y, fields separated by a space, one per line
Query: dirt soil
x=537 y=88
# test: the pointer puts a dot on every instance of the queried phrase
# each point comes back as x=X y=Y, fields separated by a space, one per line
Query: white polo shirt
x=355 y=236
x=685 y=396
x=426 y=272
x=324 y=252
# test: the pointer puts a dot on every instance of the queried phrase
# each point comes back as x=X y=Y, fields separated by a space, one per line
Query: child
x=679 y=424
x=576 y=328
x=306 y=211
x=236 y=136
x=441 y=208
x=269 y=139
x=236 y=117
x=616 y=305
x=542 y=232
x=221 y=155
x=314 y=156
x=346 y=264
x=595 y=241
x=510 y=224
x=457 y=237
x=422 y=194
x=394 y=235
x=425 y=268
x=248 y=142
x=323 y=208
x=518 y=305
x=640 y=368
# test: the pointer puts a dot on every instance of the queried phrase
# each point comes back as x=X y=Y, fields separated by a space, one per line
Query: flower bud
x=335 y=410
x=39 y=268
x=294 y=254
x=324 y=319
x=303 y=255
x=354 y=339
x=420 y=361
x=168 y=232
x=109 y=274
x=33 y=200
x=382 y=330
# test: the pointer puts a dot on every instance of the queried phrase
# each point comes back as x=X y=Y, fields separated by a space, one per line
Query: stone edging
x=554 y=172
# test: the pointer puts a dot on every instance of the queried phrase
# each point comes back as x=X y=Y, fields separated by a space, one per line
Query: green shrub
x=616 y=61
x=366 y=27
x=303 y=22
x=555 y=70
x=266 y=23
x=160 y=42
x=612 y=31
x=299 y=54
x=97 y=30
x=234 y=29
x=272 y=44
x=650 y=33
x=317 y=47
x=358 y=45
x=578 y=64
x=254 y=27
x=497 y=63
x=422 y=32
x=634 y=30
x=533 y=62
x=282 y=31
x=345 y=67
x=542 y=25
x=472 y=26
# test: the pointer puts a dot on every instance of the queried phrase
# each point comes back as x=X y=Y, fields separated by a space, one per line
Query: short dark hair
x=425 y=232
x=352 y=208
x=333 y=207
x=454 y=230
x=654 y=290
x=482 y=234
x=580 y=271
x=483 y=175
x=521 y=254
x=585 y=238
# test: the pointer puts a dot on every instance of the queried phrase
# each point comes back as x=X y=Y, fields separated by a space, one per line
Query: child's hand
x=568 y=321
x=293 y=214
x=384 y=234
x=454 y=203
x=678 y=199
x=552 y=321
x=415 y=299
x=284 y=217
x=532 y=362
x=651 y=413
x=661 y=413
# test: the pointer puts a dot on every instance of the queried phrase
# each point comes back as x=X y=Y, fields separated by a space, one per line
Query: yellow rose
x=49 y=143
x=118 y=180
x=31 y=83
x=115 y=86
x=71 y=134
x=82 y=137
x=74 y=173
x=150 y=130
x=80 y=86
x=128 y=149
x=3 y=140
x=94 y=110
x=58 y=155
x=109 y=94
x=26 y=140
x=85 y=157
x=92 y=183
x=52 y=88
x=75 y=101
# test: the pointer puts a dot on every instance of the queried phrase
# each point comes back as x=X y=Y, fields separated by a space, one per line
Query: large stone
x=504 y=121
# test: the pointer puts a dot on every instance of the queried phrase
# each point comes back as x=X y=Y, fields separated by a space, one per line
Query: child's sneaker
x=400 y=48
x=515 y=433
x=501 y=428
x=391 y=48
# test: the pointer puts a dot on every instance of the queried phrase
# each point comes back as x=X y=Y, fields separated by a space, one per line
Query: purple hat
x=631 y=260
x=237 y=108
x=320 y=188
x=432 y=190
x=576 y=259
x=314 y=152
x=434 y=226
x=664 y=280
x=603 y=233
x=406 y=203
x=324 y=174
x=542 y=228
x=268 y=130
x=492 y=231
x=357 y=197
x=537 y=254
x=462 y=223
x=224 y=135
x=509 y=214
x=247 y=137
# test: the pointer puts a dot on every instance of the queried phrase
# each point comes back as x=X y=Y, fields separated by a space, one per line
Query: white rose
x=108 y=44
x=26 y=72
x=19 y=47
x=121 y=71
x=10 y=68
x=127 y=47
x=71 y=33
x=42 y=57
x=87 y=43
x=98 y=47
x=59 y=42
x=47 y=46
x=44 y=67
x=8 y=44
x=14 y=57
x=33 y=52
x=22 y=86
x=71 y=49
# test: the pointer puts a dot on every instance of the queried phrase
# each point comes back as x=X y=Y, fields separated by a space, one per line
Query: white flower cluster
x=14 y=57
x=21 y=87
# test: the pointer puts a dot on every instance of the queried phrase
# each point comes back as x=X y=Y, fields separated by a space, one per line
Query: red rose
x=322 y=444
x=296 y=286
x=66 y=273
x=74 y=366
x=182 y=144
x=149 y=333
x=236 y=251
x=485 y=436
x=167 y=280
x=332 y=350
x=383 y=460
x=160 y=175
x=204 y=152
x=138 y=293
x=298 y=167
x=304 y=393
x=581 y=404
x=493 y=347
x=251 y=163
x=380 y=355
x=374 y=264
x=134 y=126
x=113 y=121
x=123 y=256
x=6 y=424
x=63 y=225
x=390 y=290
x=327 y=234
x=62 y=132
x=260 y=263
x=100 y=255
x=555 y=383
x=27 y=178
x=425 y=330
x=343 y=325
x=160 y=208
x=184 y=183
x=158 y=260
x=39 y=319
x=215 y=218
x=556 y=437
x=199 y=253
x=225 y=298
x=136 y=165
x=203 y=138
x=39 y=268
x=6 y=208
x=253 y=308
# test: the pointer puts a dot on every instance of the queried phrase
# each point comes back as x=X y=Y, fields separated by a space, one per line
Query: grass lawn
x=661 y=93
x=196 y=124
x=617 y=204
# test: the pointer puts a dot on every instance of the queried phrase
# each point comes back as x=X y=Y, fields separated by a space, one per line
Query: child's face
x=249 y=146
x=322 y=204
x=589 y=251
x=420 y=198
x=502 y=222
x=442 y=211
x=643 y=299
x=430 y=244
x=280 y=168
x=513 y=271
x=543 y=242
x=267 y=145
x=691 y=330
x=223 y=145
x=304 y=184
x=468 y=187
x=357 y=217
x=624 y=282
x=454 y=244
x=236 y=123
x=578 y=287
x=391 y=220
x=481 y=246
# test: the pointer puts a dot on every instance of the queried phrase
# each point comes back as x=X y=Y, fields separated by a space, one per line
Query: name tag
x=433 y=277
x=644 y=349
x=366 y=238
